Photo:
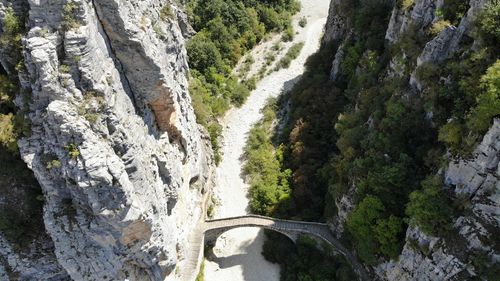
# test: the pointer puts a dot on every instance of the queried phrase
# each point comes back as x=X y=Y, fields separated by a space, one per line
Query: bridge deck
x=319 y=230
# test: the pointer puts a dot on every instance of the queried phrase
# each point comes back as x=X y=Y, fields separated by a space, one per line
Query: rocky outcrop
x=344 y=206
x=337 y=61
x=435 y=258
x=446 y=43
x=114 y=142
x=415 y=18
x=423 y=259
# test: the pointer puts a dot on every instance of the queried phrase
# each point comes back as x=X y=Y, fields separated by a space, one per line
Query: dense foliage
x=304 y=261
x=429 y=207
x=269 y=186
x=226 y=30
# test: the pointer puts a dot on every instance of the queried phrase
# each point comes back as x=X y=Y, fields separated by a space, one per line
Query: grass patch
x=201 y=274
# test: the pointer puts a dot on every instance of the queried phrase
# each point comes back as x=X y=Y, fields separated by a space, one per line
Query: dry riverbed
x=238 y=252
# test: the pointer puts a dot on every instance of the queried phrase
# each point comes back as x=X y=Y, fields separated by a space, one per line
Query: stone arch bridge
x=211 y=229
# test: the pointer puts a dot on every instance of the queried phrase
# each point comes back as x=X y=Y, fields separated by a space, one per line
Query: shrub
x=292 y=54
x=53 y=164
x=351 y=59
x=73 y=151
x=361 y=224
x=407 y=4
x=487 y=24
x=91 y=107
x=214 y=130
x=64 y=68
x=488 y=101
x=166 y=13
x=251 y=83
x=201 y=274
x=159 y=32
x=438 y=26
x=451 y=134
x=247 y=65
x=303 y=22
x=8 y=135
x=277 y=46
x=11 y=23
x=269 y=188
x=288 y=35
x=11 y=36
x=69 y=21
x=388 y=232
x=270 y=57
x=7 y=91
x=454 y=10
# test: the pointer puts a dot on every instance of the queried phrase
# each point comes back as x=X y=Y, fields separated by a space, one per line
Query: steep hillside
x=392 y=137
x=111 y=137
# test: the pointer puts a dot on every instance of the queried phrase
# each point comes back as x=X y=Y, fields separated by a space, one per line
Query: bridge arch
x=215 y=228
x=211 y=229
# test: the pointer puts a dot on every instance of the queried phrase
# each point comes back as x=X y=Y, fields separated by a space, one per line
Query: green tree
x=202 y=53
x=487 y=24
x=451 y=133
x=361 y=224
x=11 y=23
x=488 y=101
x=388 y=233
x=429 y=209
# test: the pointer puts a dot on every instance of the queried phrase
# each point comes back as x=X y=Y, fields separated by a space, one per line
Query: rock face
x=336 y=24
x=418 y=17
x=476 y=180
x=114 y=142
x=446 y=43
x=38 y=263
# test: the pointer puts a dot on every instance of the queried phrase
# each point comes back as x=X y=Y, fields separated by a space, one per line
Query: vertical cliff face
x=114 y=141
x=471 y=242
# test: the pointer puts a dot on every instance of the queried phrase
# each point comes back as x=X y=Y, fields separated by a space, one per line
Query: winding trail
x=239 y=250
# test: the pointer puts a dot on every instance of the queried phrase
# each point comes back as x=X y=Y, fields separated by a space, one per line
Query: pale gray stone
x=112 y=89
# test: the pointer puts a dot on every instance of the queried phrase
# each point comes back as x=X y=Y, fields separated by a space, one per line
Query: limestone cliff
x=114 y=142
x=475 y=178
